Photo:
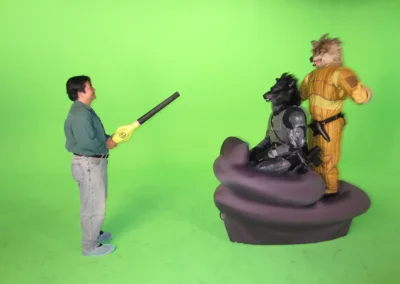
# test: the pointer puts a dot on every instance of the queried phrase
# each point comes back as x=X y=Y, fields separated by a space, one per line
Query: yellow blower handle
x=124 y=133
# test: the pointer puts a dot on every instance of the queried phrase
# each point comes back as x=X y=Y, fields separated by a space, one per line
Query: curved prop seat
x=263 y=208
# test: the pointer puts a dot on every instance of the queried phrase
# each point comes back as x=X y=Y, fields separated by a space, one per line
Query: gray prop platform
x=260 y=208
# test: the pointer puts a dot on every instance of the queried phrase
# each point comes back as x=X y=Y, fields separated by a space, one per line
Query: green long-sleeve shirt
x=84 y=131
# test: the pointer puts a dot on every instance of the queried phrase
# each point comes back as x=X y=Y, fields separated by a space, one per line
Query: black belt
x=317 y=127
x=105 y=156
x=330 y=119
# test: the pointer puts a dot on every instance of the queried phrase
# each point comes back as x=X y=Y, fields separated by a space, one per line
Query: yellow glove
x=124 y=133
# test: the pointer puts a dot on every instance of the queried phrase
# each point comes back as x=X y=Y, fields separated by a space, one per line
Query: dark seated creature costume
x=266 y=201
x=285 y=147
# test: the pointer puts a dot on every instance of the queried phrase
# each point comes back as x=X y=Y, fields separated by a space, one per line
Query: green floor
x=166 y=230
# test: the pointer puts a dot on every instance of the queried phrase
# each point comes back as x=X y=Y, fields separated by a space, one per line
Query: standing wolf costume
x=326 y=89
x=284 y=147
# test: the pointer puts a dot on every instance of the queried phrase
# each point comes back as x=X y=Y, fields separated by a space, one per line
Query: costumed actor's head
x=326 y=52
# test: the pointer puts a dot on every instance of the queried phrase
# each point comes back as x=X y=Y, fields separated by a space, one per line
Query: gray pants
x=91 y=177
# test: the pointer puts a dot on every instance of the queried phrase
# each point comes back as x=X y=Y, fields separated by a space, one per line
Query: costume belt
x=318 y=126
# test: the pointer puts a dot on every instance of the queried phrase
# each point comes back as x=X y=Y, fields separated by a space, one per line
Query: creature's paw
x=302 y=170
x=369 y=94
x=272 y=154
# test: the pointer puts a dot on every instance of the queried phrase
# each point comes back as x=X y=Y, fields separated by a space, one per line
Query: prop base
x=328 y=219
x=264 y=209
x=240 y=232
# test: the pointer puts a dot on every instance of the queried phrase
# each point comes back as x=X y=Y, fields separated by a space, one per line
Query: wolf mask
x=326 y=52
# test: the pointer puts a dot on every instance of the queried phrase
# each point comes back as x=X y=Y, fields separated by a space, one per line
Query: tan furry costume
x=326 y=89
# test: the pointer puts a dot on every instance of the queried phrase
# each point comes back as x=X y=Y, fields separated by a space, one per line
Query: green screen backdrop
x=221 y=56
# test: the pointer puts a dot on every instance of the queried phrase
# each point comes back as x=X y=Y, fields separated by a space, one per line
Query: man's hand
x=110 y=143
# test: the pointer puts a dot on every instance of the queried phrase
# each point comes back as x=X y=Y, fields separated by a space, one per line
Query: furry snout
x=267 y=96
x=316 y=60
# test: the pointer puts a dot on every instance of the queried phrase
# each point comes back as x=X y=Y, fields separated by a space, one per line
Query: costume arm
x=264 y=143
x=85 y=134
x=297 y=129
x=303 y=88
x=349 y=82
x=296 y=124
x=260 y=147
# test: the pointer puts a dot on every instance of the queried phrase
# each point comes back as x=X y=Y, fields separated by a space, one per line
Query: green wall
x=220 y=55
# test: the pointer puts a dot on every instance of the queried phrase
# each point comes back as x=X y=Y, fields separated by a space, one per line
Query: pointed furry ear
x=314 y=43
x=323 y=37
x=337 y=41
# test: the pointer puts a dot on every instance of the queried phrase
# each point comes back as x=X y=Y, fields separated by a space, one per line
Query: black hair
x=76 y=84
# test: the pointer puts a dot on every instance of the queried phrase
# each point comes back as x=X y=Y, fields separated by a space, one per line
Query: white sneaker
x=100 y=250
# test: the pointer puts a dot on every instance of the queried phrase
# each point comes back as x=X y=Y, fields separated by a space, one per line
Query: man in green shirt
x=87 y=140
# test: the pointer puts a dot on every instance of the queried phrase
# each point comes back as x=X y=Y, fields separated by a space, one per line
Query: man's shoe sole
x=100 y=251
